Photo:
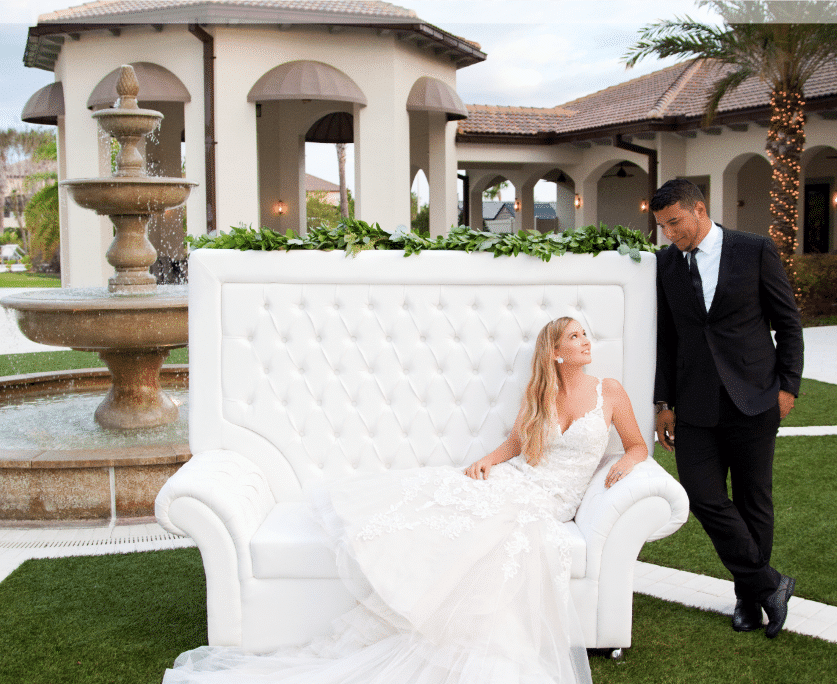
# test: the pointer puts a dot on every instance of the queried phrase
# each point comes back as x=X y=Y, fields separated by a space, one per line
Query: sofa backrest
x=317 y=365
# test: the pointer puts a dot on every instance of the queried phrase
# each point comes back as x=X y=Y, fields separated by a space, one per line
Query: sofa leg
x=617 y=653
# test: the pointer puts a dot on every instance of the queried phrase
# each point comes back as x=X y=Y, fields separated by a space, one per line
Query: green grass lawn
x=805 y=540
x=124 y=618
x=42 y=362
x=28 y=280
x=816 y=405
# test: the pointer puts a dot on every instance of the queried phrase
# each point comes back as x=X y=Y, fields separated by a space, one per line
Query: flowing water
x=65 y=421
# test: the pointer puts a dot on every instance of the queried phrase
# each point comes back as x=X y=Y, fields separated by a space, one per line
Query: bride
x=462 y=578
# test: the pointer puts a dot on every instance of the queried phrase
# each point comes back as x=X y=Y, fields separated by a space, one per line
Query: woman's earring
x=559 y=360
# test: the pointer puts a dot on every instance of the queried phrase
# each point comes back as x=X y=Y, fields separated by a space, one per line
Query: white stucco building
x=243 y=86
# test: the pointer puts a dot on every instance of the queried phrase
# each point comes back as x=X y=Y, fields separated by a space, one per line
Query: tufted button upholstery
x=308 y=366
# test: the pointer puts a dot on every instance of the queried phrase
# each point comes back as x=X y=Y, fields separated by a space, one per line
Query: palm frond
x=676 y=38
x=723 y=86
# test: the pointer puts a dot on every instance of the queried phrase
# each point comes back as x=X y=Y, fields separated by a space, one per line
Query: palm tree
x=341 y=172
x=778 y=41
x=8 y=142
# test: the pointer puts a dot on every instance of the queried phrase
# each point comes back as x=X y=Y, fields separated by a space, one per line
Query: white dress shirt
x=709 y=261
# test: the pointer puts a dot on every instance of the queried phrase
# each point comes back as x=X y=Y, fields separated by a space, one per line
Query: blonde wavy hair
x=539 y=400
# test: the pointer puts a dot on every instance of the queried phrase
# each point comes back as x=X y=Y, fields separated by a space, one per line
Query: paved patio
x=19 y=543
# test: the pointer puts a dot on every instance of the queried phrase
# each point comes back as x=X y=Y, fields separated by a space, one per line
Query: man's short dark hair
x=677 y=190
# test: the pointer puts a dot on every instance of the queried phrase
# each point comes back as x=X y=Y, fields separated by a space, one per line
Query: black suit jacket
x=731 y=345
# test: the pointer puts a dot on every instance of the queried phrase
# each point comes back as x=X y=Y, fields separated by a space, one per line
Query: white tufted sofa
x=309 y=365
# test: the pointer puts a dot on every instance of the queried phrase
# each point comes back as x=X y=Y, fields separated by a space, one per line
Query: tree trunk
x=785 y=142
x=18 y=202
x=341 y=170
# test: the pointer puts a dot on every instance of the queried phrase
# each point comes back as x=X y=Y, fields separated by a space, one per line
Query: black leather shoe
x=776 y=606
x=747 y=616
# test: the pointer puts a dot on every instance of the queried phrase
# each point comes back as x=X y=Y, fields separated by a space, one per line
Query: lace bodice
x=570 y=459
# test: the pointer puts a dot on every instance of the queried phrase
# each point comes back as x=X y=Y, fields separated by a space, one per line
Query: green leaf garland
x=354 y=236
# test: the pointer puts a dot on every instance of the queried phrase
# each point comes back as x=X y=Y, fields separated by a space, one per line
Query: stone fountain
x=132 y=324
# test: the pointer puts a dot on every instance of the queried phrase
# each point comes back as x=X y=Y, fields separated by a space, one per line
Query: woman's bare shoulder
x=612 y=388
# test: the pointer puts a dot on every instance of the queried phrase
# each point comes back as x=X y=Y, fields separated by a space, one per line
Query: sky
x=541 y=53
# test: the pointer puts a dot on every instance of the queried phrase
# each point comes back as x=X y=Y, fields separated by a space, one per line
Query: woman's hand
x=621 y=468
x=478 y=470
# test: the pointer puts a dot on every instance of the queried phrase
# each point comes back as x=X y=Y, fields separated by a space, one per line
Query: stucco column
x=195 y=166
x=588 y=213
x=236 y=149
x=85 y=234
x=382 y=160
x=442 y=174
x=475 y=201
x=526 y=195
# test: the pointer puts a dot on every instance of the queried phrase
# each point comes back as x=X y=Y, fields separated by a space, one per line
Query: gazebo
x=242 y=87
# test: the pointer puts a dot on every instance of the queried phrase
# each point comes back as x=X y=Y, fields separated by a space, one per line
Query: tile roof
x=520 y=120
x=101 y=9
x=316 y=184
x=677 y=93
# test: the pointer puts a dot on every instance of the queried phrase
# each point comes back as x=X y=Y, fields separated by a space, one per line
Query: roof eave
x=41 y=51
x=760 y=115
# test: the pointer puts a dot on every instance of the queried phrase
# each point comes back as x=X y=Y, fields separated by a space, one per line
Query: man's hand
x=665 y=429
x=785 y=403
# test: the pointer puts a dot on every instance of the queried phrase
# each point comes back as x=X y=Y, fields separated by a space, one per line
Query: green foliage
x=10 y=236
x=815 y=279
x=493 y=193
x=421 y=223
x=321 y=214
x=354 y=236
x=41 y=216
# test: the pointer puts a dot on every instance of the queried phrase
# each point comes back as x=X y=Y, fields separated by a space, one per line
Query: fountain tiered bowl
x=132 y=324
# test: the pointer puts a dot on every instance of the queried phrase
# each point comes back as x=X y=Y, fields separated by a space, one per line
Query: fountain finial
x=127 y=87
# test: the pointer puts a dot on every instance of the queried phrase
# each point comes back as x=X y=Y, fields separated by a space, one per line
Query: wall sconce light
x=643 y=206
x=577 y=202
x=516 y=204
x=835 y=199
x=279 y=208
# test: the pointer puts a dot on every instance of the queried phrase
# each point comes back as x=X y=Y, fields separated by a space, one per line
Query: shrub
x=816 y=284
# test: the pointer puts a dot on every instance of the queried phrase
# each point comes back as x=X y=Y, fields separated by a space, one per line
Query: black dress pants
x=741 y=528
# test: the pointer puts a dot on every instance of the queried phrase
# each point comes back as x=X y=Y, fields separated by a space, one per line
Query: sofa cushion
x=290 y=544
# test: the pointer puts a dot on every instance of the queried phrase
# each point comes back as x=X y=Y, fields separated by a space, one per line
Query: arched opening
x=420 y=203
x=163 y=91
x=819 y=200
x=303 y=107
x=557 y=189
x=499 y=212
x=329 y=170
x=622 y=196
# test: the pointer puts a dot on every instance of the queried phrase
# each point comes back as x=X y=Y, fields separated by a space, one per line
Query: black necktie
x=697 y=283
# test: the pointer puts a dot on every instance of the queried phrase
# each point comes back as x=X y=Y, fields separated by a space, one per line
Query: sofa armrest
x=231 y=487
x=601 y=508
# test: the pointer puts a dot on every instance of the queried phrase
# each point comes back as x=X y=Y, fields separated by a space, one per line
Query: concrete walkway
x=19 y=543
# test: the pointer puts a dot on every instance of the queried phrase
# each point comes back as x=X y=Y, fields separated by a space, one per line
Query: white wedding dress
x=458 y=581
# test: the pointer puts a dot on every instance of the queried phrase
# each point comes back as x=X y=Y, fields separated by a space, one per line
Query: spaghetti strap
x=599 y=398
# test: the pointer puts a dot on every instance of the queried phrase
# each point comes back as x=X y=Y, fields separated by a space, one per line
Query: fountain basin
x=132 y=334
x=59 y=465
x=115 y=196
x=93 y=319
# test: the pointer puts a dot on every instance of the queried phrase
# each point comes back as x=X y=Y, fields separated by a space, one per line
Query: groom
x=719 y=293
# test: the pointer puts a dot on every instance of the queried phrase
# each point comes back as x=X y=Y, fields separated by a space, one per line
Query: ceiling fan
x=621 y=173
